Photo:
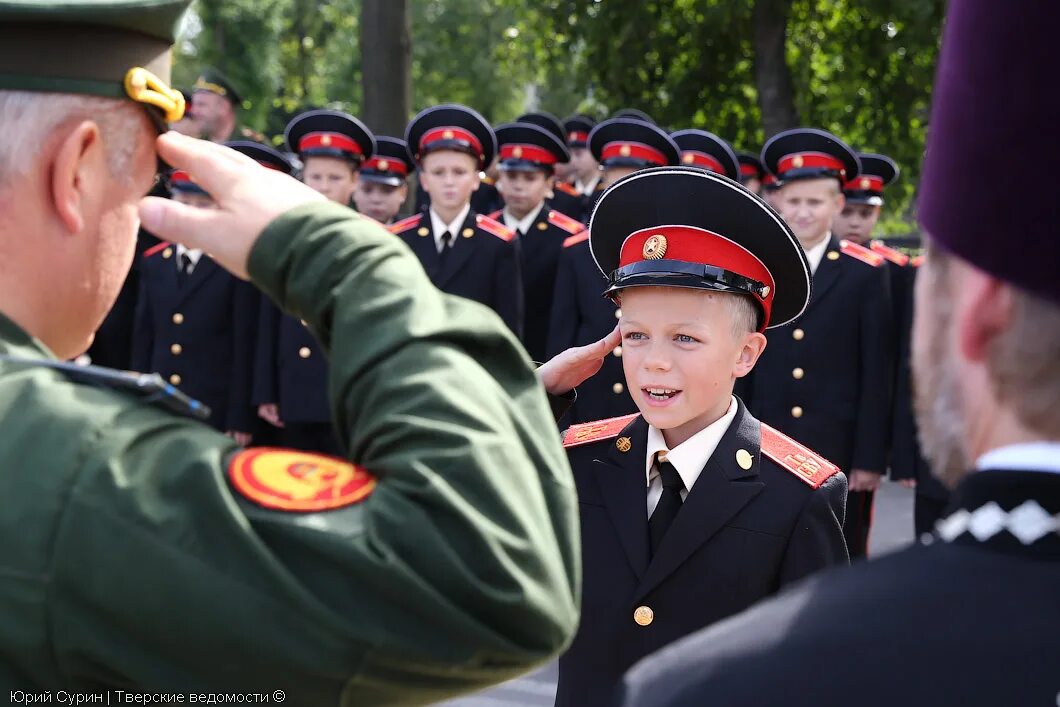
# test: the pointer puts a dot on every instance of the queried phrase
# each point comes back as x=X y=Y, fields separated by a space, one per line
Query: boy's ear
x=754 y=343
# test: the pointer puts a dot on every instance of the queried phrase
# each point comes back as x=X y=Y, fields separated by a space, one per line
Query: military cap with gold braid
x=213 y=81
x=687 y=227
x=109 y=48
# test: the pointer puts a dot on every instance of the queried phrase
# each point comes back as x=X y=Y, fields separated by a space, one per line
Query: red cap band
x=697 y=245
x=450 y=133
x=748 y=170
x=820 y=160
x=332 y=141
x=702 y=159
x=384 y=164
x=576 y=136
x=864 y=183
x=769 y=179
x=530 y=153
x=634 y=150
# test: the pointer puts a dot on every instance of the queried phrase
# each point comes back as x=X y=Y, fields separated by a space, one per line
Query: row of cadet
x=836 y=379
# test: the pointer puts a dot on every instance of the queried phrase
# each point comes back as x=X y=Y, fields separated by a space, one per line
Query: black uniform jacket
x=290 y=368
x=969 y=619
x=483 y=265
x=741 y=534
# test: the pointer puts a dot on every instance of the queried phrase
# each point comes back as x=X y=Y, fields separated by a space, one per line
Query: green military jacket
x=131 y=558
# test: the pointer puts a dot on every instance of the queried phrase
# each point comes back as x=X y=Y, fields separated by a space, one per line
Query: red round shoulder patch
x=290 y=480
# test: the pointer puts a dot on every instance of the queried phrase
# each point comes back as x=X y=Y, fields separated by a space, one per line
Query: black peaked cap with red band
x=451 y=127
x=578 y=128
x=877 y=172
x=329 y=133
x=808 y=153
x=750 y=166
x=527 y=147
x=686 y=227
x=390 y=164
x=263 y=155
x=626 y=142
x=544 y=120
x=708 y=151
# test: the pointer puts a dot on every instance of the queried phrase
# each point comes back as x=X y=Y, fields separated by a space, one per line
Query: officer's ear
x=78 y=171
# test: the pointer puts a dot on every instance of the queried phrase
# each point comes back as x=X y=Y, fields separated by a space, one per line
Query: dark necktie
x=183 y=268
x=669 y=504
x=447 y=240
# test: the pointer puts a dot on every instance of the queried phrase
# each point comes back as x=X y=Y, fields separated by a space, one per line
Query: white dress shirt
x=816 y=254
x=524 y=225
x=586 y=188
x=1032 y=456
x=688 y=458
x=193 y=257
x=453 y=228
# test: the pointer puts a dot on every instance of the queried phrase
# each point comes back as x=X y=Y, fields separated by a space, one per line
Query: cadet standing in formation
x=585 y=170
x=825 y=379
x=290 y=366
x=751 y=172
x=692 y=510
x=145 y=550
x=971 y=618
x=464 y=253
x=562 y=197
x=382 y=186
x=707 y=151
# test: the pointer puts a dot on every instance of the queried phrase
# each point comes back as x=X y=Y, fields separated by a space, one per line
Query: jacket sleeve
x=563 y=322
x=876 y=371
x=818 y=538
x=459 y=570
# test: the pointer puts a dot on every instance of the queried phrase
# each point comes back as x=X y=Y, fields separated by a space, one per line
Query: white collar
x=585 y=188
x=692 y=455
x=1030 y=456
x=816 y=254
x=453 y=228
x=193 y=255
x=522 y=226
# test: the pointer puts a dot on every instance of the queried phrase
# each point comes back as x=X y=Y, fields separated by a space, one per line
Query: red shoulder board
x=565 y=222
x=405 y=224
x=567 y=188
x=576 y=239
x=495 y=228
x=577 y=435
x=158 y=249
x=290 y=480
x=918 y=261
x=808 y=466
x=861 y=253
x=895 y=256
x=496 y=215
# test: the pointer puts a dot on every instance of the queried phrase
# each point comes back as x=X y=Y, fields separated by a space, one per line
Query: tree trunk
x=772 y=74
x=386 y=59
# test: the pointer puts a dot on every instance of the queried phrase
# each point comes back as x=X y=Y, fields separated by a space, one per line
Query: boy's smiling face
x=682 y=351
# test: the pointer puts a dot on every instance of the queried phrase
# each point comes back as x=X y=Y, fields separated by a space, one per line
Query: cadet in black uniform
x=585 y=170
x=464 y=253
x=707 y=151
x=562 y=197
x=864 y=198
x=826 y=378
x=751 y=171
x=692 y=510
x=382 y=187
x=195 y=325
x=528 y=155
x=580 y=314
x=970 y=618
x=290 y=368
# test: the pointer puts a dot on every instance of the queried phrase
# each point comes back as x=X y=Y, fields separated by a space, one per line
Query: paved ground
x=892 y=530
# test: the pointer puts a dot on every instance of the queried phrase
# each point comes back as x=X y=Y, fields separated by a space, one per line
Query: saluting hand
x=248 y=197
x=567 y=370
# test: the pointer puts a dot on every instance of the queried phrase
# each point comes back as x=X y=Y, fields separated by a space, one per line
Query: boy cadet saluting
x=142 y=548
x=290 y=389
x=691 y=510
x=464 y=253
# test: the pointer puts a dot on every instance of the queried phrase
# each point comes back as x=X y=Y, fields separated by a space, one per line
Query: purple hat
x=996 y=102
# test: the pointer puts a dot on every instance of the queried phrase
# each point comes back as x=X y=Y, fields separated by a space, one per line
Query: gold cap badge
x=655 y=247
x=383 y=165
x=797 y=162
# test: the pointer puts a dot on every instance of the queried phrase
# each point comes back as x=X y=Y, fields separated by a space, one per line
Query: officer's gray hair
x=28 y=119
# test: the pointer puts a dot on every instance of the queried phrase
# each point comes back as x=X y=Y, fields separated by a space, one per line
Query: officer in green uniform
x=143 y=549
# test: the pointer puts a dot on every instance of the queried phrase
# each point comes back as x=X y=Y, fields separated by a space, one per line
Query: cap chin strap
x=684 y=274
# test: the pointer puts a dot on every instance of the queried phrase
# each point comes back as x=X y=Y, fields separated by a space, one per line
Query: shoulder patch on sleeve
x=861 y=253
x=290 y=480
x=586 y=432
x=805 y=464
x=495 y=228
x=576 y=239
x=565 y=222
x=895 y=256
x=405 y=224
x=567 y=188
x=157 y=249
